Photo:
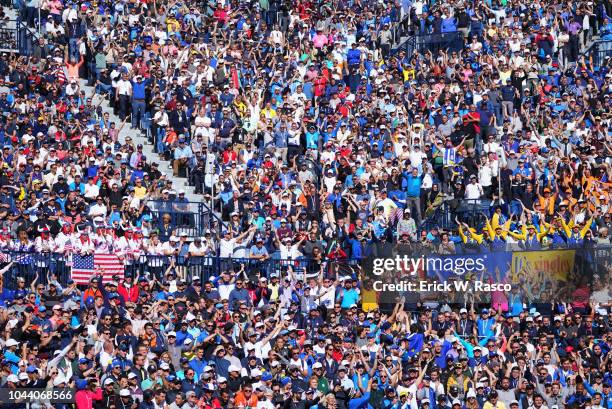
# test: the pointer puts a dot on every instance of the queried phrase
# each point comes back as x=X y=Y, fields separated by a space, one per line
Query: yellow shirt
x=268 y=113
x=273 y=291
x=241 y=107
x=409 y=74
x=498 y=405
x=504 y=76
x=140 y=192
x=173 y=25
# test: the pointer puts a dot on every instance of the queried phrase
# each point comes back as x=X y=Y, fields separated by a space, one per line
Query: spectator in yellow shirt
x=493 y=402
x=139 y=190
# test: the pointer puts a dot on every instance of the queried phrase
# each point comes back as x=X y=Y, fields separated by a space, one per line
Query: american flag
x=23 y=258
x=84 y=267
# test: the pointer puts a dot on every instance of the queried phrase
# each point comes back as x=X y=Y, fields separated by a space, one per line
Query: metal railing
x=57 y=267
x=9 y=36
x=27 y=38
x=598 y=51
x=48 y=267
x=16 y=36
x=191 y=218
x=468 y=211
x=451 y=41
x=408 y=46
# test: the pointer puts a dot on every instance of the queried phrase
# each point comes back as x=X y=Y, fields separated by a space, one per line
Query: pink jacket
x=85 y=397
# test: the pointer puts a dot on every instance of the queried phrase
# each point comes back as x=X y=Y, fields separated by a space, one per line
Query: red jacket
x=128 y=294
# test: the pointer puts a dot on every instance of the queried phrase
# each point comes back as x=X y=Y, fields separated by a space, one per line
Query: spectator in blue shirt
x=138 y=100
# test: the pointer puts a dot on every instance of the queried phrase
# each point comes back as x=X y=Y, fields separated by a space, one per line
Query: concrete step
x=141 y=138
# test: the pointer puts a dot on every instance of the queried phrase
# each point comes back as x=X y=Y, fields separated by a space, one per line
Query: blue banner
x=478 y=266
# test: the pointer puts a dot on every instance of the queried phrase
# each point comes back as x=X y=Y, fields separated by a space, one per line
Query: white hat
x=187 y=341
x=23 y=376
x=463 y=311
x=60 y=380
x=208 y=368
x=233 y=368
x=471 y=394
x=171 y=334
x=317 y=365
x=12 y=378
x=221 y=379
x=164 y=366
x=131 y=375
x=255 y=373
x=108 y=381
x=124 y=392
x=11 y=343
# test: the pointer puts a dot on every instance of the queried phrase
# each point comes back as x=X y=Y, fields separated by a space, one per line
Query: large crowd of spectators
x=316 y=131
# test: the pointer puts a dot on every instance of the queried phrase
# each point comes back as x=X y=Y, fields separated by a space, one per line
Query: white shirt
x=491 y=147
x=473 y=191
x=197 y=251
x=427 y=181
x=328 y=297
x=265 y=404
x=97 y=210
x=276 y=37
x=289 y=252
x=161 y=118
x=124 y=87
x=225 y=290
x=44 y=245
x=416 y=157
x=485 y=174
x=91 y=191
